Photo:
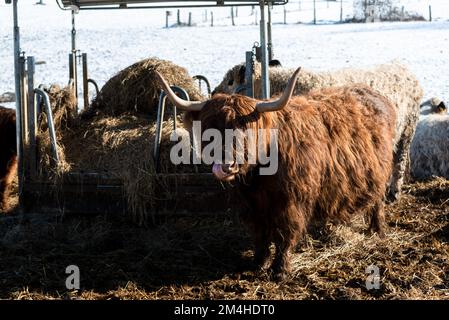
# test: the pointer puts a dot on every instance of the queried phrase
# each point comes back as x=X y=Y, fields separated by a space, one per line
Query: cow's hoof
x=392 y=196
x=262 y=264
x=262 y=259
x=279 y=276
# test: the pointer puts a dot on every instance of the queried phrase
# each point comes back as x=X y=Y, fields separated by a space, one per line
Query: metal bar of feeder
x=203 y=78
x=160 y=119
x=99 y=6
x=18 y=92
x=249 y=74
x=73 y=60
x=97 y=91
x=269 y=35
x=32 y=120
x=85 y=82
x=51 y=126
x=264 y=56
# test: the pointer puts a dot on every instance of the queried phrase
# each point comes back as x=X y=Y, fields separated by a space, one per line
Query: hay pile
x=122 y=147
x=65 y=115
x=135 y=89
x=119 y=147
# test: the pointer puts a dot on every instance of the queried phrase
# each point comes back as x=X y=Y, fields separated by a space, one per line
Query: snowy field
x=114 y=39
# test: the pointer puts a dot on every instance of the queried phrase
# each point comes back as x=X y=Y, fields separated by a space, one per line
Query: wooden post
x=167 y=14
x=178 y=17
x=430 y=13
x=232 y=16
x=285 y=15
x=190 y=19
x=314 y=11
x=236 y=12
x=256 y=22
x=341 y=11
x=211 y=18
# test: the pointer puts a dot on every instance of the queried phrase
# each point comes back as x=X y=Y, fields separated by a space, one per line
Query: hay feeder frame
x=96 y=192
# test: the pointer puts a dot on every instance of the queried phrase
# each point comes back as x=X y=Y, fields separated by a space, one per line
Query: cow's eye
x=231 y=82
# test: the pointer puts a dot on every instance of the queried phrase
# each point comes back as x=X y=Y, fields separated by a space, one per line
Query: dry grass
x=117 y=146
x=136 y=90
x=210 y=258
x=122 y=147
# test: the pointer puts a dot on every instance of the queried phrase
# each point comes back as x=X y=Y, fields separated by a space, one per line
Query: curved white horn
x=283 y=100
x=177 y=101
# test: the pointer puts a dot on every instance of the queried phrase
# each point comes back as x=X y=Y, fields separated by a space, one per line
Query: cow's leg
x=401 y=158
x=289 y=228
x=378 y=219
x=6 y=177
x=262 y=250
x=2 y=194
x=281 y=266
x=397 y=178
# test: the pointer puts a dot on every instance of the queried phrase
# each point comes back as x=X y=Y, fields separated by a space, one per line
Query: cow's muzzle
x=225 y=172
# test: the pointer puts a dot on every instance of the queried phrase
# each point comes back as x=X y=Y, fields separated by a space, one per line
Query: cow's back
x=340 y=144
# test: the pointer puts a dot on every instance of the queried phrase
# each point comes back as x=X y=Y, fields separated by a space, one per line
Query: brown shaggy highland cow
x=394 y=81
x=335 y=151
x=8 y=153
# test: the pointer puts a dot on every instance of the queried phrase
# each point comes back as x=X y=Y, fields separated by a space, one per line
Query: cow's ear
x=274 y=63
x=242 y=72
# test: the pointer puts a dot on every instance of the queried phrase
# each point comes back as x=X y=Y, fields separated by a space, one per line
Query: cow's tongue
x=217 y=170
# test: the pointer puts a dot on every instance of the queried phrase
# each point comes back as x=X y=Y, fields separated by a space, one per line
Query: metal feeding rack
x=93 y=192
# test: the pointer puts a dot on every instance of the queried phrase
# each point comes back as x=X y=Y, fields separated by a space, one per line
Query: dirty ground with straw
x=210 y=257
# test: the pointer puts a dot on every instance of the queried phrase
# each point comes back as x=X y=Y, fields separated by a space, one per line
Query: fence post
x=430 y=13
x=167 y=13
x=341 y=11
x=190 y=19
x=211 y=18
x=314 y=11
x=178 y=17
x=285 y=15
x=232 y=16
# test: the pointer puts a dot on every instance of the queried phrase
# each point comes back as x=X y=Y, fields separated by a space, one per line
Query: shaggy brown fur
x=393 y=80
x=335 y=159
x=8 y=152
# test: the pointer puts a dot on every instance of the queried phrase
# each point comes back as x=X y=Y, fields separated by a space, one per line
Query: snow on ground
x=114 y=39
